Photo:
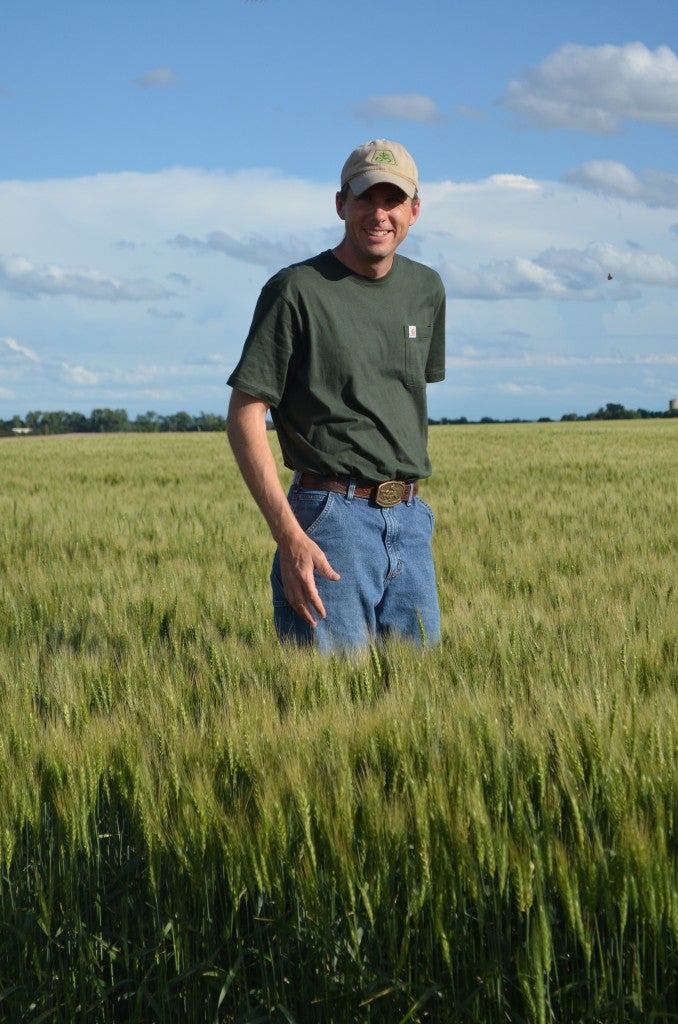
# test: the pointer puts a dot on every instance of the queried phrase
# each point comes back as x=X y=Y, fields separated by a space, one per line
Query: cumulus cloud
x=160 y=78
x=141 y=374
x=506 y=279
x=560 y=274
x=510 y=236
x=410 y=106
x=20 y=350
x=513 y=181
x=606 y=177
x=579 y=267
x=254 y=249
x=490 y=354
x=596 y=89
x=80 y=375
x=21 y=277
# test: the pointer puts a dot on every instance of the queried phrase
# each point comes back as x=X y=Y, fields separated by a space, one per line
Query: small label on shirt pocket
x=417 y=344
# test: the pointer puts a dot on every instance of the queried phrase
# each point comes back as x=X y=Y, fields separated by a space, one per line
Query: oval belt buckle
x=390 y=493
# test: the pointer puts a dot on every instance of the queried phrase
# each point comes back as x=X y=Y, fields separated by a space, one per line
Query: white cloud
x=630 y=267
x=254 y=249
x=560 y=274
x=141 y=374
x=21 y=277
x=507 y=279
x=608 y=178
x=77 y=221
x=160 y=78
x=80 y=375
x=20 y=350
x=504 y=237
x=549 y=359
x=513 y=181
x=407 y=107
x=511 y=388
x=596 y=89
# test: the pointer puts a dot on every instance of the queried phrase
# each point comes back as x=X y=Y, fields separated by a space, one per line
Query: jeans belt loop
x=352 y=483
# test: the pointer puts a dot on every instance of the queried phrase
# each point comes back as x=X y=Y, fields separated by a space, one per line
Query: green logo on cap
x=383 y=156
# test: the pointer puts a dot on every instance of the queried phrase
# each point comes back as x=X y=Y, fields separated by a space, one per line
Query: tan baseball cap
x=377 y=161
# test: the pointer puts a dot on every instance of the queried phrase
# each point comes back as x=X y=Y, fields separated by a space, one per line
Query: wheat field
x=199 y=826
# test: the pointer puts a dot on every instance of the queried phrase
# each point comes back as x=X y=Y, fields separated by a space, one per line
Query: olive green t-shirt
x=343 y=361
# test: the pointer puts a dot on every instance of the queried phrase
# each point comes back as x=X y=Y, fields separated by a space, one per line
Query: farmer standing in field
x=340 y=350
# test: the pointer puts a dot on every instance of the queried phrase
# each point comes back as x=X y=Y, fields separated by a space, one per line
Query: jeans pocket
x=311 y=508
x=427 y=508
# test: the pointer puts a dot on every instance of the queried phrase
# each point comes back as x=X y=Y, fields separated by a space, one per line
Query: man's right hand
x=300 y=560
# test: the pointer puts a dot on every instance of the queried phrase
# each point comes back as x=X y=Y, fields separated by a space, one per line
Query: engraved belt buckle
x=390 y=493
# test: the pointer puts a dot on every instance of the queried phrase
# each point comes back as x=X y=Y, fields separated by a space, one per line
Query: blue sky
x=159 y=161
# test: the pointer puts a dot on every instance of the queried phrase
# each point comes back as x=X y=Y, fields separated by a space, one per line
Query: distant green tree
x=209 y=421
x=181 y=421
x=32 y=420
x=612 y=411
x=58 y=422
x=78 y=423
x=109 y=421
x=148 y=422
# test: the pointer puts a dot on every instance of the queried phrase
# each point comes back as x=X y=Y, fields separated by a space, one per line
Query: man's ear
x=340 y=203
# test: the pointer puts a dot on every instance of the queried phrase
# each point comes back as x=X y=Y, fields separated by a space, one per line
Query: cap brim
x=361 y=182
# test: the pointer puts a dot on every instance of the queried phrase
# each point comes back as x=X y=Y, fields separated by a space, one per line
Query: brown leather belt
x=386 y=494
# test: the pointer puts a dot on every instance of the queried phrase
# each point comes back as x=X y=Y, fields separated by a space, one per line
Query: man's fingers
x=298 y=573
x=325 y=569
x=303 y=598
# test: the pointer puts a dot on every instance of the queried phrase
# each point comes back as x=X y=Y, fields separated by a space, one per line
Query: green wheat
x=198 y=825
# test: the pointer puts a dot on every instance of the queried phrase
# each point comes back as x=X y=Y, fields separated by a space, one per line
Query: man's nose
x=377 y=210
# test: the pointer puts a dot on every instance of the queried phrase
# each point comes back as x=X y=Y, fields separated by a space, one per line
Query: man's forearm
x=300 y=557
x=247 y=434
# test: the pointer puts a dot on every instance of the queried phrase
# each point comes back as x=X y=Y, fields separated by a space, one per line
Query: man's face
x=376 y=222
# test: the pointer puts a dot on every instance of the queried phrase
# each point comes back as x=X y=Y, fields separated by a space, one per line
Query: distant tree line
x=115 y=421
x=612 y=411
x=110 y=421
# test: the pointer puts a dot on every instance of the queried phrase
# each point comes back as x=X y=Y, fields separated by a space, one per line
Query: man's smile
x=376 y=221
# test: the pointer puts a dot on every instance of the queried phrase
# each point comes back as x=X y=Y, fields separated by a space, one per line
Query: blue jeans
x=387 y=584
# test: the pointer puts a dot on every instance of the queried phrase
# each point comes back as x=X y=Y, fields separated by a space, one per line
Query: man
x=340 y=349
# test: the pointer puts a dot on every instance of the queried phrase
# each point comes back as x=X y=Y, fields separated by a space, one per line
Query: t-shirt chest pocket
x=417 y=344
